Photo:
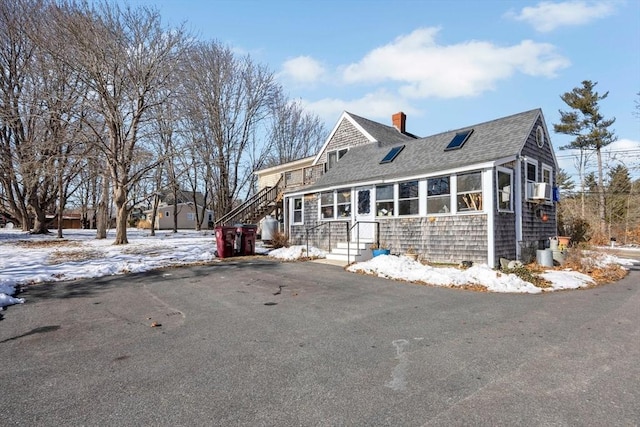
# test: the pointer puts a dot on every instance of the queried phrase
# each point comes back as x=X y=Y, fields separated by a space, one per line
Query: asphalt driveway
x=258 y=342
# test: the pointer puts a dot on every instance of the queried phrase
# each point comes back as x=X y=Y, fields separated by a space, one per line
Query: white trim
x=292 y=209
x=517 y=200
x=512 y=189
x=482 y=193
x=335 y=205
x=394 y=200
x=422 y=191
x=488 y=207
x=528 y=162
x=285 y=215
x=445 y=172
x=283 y=167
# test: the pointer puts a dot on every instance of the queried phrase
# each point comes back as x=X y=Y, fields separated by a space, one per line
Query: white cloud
x=377 y=105
x=426 y=68
x=303 y=69
x=547 y=16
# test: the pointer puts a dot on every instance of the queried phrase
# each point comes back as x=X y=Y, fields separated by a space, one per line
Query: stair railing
x=261 y=198
x=356 y=225
x=328 y=224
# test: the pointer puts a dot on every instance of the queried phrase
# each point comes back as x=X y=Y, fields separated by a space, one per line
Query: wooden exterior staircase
x=255 y=208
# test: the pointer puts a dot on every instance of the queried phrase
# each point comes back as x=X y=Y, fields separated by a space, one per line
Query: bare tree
x=228 y=98
x=293 y=133
x=40 y=115
x=126 y=57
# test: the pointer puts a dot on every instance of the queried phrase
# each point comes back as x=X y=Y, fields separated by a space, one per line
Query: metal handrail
x=328 y=223
x=348 y=230
x=357 y=224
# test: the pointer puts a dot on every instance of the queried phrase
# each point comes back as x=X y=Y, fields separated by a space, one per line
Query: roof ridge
x=361 y=119
x=499 y=119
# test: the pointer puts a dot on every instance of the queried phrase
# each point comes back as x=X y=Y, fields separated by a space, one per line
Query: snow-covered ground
x=29 y=259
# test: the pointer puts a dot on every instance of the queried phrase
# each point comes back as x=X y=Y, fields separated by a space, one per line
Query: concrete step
x=352 y=245
x=350 y=254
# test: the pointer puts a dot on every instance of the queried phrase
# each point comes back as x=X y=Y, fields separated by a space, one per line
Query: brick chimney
x=399 y=120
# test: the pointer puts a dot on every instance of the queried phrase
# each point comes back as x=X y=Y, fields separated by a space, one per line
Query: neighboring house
x=186 y=216
x=477 y=193
x=70 y=220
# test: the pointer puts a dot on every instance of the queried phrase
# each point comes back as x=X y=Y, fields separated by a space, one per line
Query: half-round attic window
x=540 y=136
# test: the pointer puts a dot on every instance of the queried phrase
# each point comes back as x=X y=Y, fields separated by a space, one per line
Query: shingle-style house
x=186 y=215
x=478 y=193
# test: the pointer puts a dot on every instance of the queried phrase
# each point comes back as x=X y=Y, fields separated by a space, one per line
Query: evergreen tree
x=590 y=129
x=564 y=182
x=618 y=193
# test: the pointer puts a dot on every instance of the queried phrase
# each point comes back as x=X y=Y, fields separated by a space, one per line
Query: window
x=532 y=171
x=540 y=136
x=166 y=214
x=343 y=203
x=296 y=210
x=333 y=157
x=505 y=184
x=392 y=154
x=547 y=177
x=469 y=195
x=384 y=200
x=438 y=195
x=191 y=216
x=531 y=175
x=459 y=140
x=364 y=202
x=326 y=205
x=408 y=202
x=335 y=204
x=547 y=174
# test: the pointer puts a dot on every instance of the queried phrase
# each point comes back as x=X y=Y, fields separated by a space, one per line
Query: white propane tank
x=269 y=227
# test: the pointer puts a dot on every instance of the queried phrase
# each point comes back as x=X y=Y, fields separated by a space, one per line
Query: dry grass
x=59 y=257
x=531 y=273
x=142 y=250
x=46 y=243
x=587 y=264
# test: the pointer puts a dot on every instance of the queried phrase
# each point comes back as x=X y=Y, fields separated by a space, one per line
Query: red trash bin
x=247 y=233
x=225 y=238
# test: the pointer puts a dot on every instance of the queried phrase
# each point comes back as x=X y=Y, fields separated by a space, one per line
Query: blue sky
x=446 y=64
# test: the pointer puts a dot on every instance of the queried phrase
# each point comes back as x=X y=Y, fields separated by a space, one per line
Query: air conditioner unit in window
x=539 y=191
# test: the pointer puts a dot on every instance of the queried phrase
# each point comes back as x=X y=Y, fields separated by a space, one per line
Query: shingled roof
x=382 y=133
x=490 y=141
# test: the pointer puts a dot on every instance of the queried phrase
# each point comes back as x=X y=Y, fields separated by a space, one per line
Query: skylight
x=392 y=154
x=459 y=140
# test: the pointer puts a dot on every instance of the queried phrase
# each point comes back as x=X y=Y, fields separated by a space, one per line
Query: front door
x=365 y=215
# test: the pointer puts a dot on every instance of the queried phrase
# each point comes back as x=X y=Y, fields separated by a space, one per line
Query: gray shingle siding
x=446 y=239
x=346 y=136
x=504 y=233
x=533 y=228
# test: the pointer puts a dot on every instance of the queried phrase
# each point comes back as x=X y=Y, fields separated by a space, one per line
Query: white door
x=365 y=215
